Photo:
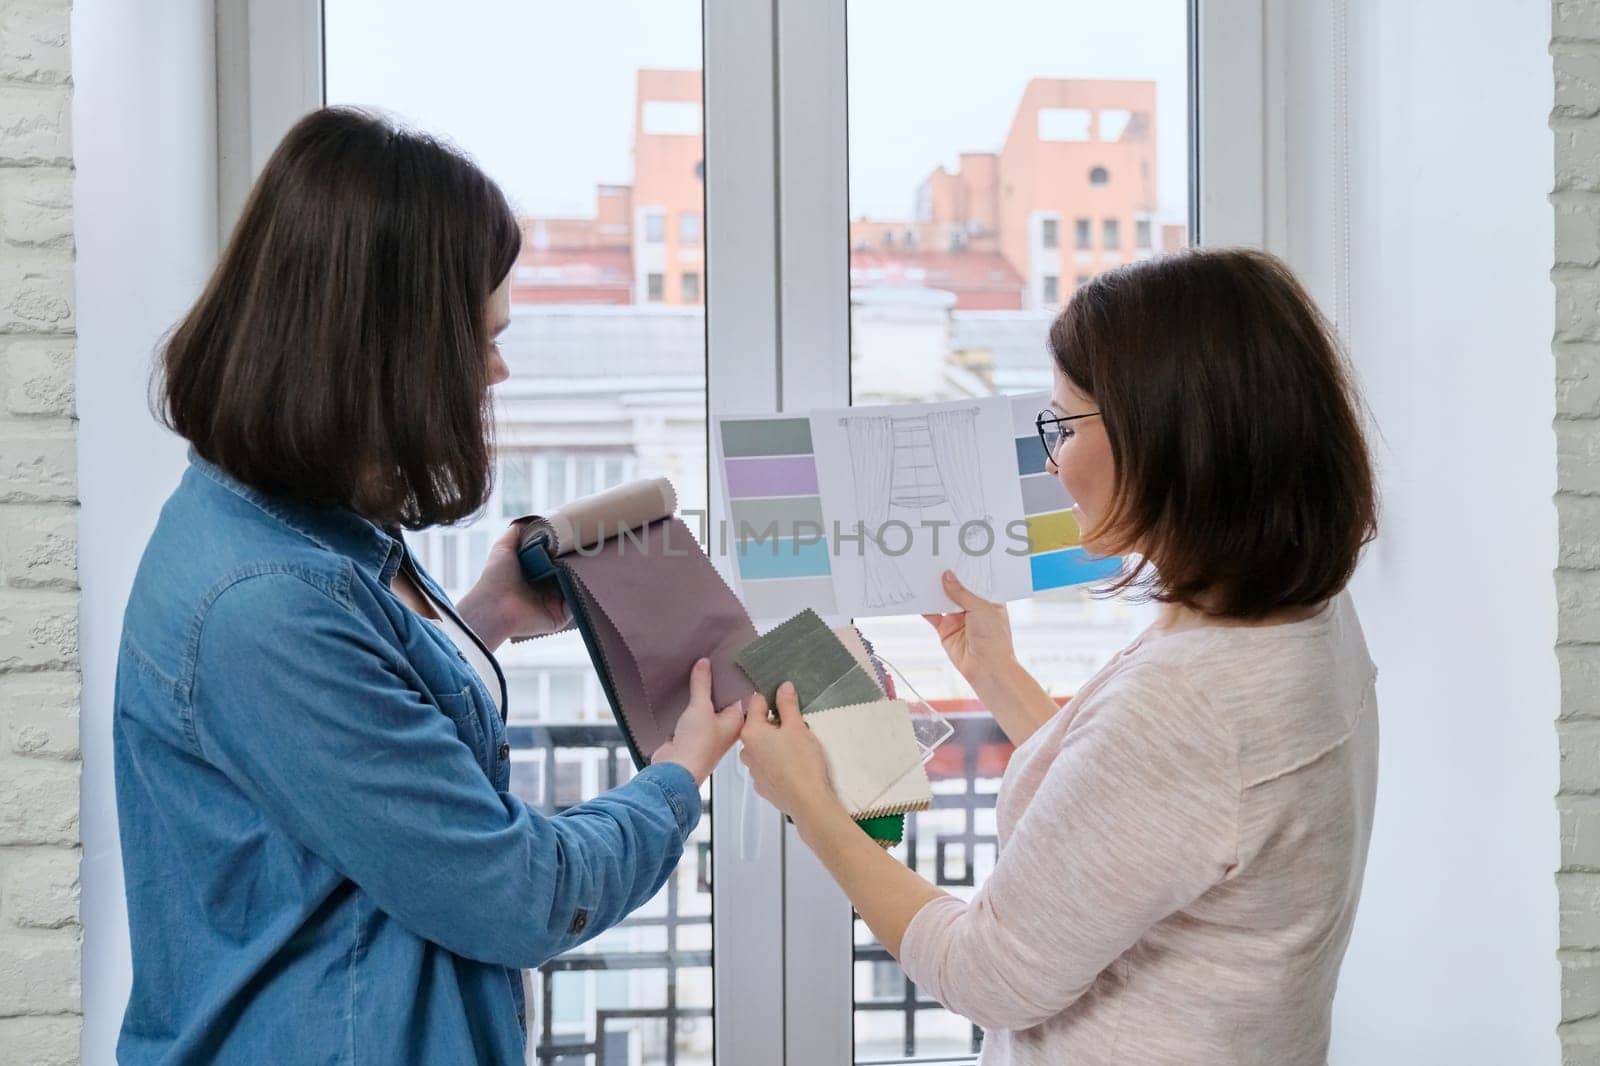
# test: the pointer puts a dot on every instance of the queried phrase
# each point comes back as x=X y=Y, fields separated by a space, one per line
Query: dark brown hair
x=1242 y=473
x=339 y=353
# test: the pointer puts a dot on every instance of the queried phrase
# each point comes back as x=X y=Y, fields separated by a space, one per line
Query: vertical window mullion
x=740 y=293
x=813 y=208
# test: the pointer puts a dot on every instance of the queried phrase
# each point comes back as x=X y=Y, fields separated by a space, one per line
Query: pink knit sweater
x=1181 y=851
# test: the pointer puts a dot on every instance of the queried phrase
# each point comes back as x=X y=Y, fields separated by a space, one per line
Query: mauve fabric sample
x=656 y=604
x=858 y=646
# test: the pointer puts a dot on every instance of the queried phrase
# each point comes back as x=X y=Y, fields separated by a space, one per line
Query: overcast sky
x=541 y=93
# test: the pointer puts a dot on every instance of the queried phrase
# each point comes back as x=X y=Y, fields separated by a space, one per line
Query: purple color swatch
x=794 y=475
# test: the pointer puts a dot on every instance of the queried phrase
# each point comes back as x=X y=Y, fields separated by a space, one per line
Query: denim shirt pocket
x=461 y=709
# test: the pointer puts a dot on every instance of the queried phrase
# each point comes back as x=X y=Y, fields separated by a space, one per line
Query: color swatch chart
x=1055 y=558
x=857 y=511
x=771 y=476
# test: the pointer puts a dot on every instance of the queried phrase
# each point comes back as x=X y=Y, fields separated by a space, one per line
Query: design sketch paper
x=857 y=511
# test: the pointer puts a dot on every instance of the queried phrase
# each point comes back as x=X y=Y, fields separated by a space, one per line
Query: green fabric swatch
x=805 y=651
x=890 y=829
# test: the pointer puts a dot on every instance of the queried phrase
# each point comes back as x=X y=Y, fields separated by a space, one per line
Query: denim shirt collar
x=337 y=529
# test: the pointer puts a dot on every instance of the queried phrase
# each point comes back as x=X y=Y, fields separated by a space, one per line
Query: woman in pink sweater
x=1182 y=846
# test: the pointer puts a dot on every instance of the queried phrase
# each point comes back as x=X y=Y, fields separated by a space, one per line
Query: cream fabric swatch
x=873 y=758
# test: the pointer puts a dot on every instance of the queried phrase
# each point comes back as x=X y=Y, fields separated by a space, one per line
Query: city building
x=1070 y=191
x=645 y=244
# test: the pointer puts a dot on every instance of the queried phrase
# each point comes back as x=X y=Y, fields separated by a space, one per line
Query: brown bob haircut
x=1242 y=474
x=339 y=353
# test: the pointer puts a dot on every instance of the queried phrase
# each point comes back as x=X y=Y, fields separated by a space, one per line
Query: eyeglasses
x=1048 y=423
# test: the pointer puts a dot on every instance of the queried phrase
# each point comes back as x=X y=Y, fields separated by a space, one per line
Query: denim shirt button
x=504 y=752
x=580 y=922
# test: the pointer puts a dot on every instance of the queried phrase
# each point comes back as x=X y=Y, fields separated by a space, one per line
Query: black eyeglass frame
x=1053 y=419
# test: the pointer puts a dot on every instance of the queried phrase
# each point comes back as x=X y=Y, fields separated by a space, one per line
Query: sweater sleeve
x=1136 y=818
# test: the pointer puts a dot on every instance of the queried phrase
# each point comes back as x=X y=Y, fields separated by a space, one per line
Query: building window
x=1098 y=176
x=1080 y=235
x=516 y=484
x=691 y=288
x=564 y=701
x=689 y=228
x=1113 y=122
x=569 y=778
x=1064 y=123
x=1141 y=234
x=556 y=492
x=654 y=287
x=1052 y=289
x=536 y=480
x=1047 y=233
x=1110 y=235
x=671 y=118
x=655 y=227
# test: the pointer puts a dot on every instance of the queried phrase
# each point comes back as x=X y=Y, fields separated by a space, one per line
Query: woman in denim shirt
x=323 y=860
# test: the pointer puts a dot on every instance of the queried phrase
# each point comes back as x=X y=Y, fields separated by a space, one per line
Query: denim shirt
x=323 y=861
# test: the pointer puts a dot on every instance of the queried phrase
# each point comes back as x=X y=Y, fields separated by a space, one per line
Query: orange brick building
x=1072 y=191
x=646 y=243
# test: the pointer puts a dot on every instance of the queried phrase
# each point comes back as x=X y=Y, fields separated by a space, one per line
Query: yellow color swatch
x=1048 y=532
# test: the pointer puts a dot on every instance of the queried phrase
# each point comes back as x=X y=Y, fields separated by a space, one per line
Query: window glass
x=596 y=137
x=1026 y=113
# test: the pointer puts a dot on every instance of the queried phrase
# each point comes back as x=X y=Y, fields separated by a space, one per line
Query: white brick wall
x=1576 y=123
x=39 y=929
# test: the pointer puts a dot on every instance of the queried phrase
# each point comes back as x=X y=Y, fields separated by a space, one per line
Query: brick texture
x=40 y=992
x=1575 y=123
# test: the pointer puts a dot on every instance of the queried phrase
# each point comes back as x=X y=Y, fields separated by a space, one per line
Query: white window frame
x=775 y=232
x=270 y=72
x=1231 y=178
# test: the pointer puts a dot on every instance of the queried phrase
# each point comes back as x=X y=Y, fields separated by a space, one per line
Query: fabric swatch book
x=622 y=559
x=856 y=511
x=874 y=758
x=647 y=601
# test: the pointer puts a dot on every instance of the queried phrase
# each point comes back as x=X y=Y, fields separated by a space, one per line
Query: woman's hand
x=977 y=638
x=703 y=734
x=785 y=759
x=978 y=641
x=503 y=604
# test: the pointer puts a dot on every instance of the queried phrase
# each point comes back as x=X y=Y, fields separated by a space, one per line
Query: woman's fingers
x=512 y=537
x=964 y=597
x=788 y=705
x=730 y=720
x=700 y=683
x=755 y=718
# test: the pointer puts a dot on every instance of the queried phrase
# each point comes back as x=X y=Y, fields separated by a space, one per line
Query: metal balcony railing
x=965 y=773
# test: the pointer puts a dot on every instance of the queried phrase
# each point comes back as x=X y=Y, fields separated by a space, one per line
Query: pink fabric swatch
x=656 y=604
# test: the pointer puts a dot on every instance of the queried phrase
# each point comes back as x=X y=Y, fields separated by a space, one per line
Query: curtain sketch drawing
x=872 y=468
x=954 y=439
x=918 y=469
